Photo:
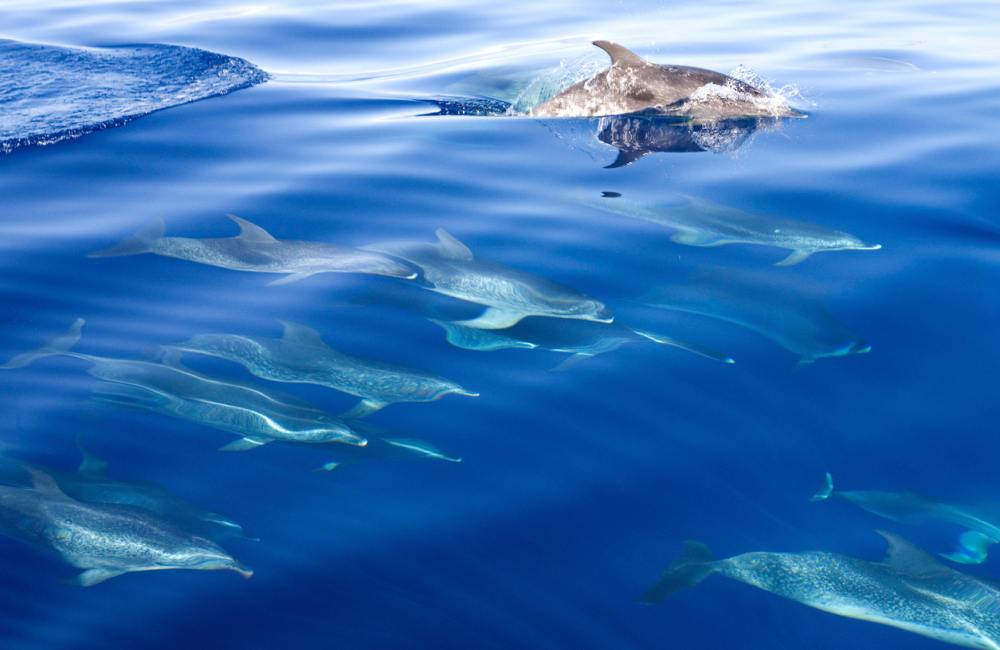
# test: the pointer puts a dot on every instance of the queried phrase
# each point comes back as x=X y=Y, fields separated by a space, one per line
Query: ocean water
x=577 y=486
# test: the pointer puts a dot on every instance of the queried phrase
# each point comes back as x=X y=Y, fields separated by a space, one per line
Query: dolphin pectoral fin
x=571 y=361
x=826 y=490
x=695 y=238
x=693 y=348
x=244 y=444
x=364 y=408
x=91 y=577
x=288 y=279
x=620 y=55
x=972 y=548
x=796 y=257
x=494 y=319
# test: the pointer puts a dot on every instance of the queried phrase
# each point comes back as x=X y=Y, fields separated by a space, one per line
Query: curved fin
x=973 y=548
x=59 y=345
x=826 y=490
x=44 y=483
x=288 y=279
x=907 y=558
x=451 y=247
x=693 y=348
x=494 y=319
x=244 y=444
x=626 y=158
x=796 y=257
x=363 y=408
x=571 y=361
x=251 y=232
x=694 y=565
x=695 y=238
x=91 y=577
x=141 y=241
x=90 y=464
x=296 y=333
x=620 y=55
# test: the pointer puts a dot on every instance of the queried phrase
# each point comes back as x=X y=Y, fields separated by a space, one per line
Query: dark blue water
x=576 y=487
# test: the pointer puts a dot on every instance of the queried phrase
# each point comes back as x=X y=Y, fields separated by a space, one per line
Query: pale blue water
x=575 y=488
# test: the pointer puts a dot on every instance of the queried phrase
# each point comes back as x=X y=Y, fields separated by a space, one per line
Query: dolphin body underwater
x=104 y=540
x=256 y=250
x=632 y=85
x=90 y=483
x=982 y=522
x=301 y=356
x=169 y=388
x=908 y=590
x=697 y=222
x=449 y=268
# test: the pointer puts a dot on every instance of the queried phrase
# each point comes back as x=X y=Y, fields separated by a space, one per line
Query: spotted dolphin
x=632 y=84
x=981 y=521
x=698 y=222
x=170 y=388
x=104 y=540
x=908 y=590
x=449 y=268
x=256 y=250
x=301 y=356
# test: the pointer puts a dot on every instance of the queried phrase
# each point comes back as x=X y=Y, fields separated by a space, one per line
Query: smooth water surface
x=577 y=487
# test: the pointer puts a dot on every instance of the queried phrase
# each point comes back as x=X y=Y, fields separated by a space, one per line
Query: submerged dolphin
x=254 y=249
x=697 y=222
x=169 y=388
x=449 y=268
x=103 y=540
x=580 y=345
x=633 y=84
x=908 y=590
x=800 y=326
x=981 y=521
x=301 y=356
x=635 y=136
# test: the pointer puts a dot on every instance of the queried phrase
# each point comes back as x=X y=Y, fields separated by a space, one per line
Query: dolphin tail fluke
x=694 y=348
x=826 y=490
x=135 y=244
x=59 y=345
x=694 y=565
x=973 y=548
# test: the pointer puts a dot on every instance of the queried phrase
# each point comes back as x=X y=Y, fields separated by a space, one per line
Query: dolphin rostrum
x=103 y=540
x=301 y=356
x=908 y=590
x=632 y=84
x=697 y=222
x=254 y=249
x=449 y=268
x=982 y=521
x=169 y=388
x=584 y=341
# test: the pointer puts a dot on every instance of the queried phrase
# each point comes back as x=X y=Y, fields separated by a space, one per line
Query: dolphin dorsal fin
x=451 y=247
x=620 y=55
x=90 y=464
x=45 y=484
x=907 y=558
x=295 y=333
x=251 y=232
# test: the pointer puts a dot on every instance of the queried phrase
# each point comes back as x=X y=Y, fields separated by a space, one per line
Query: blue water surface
x=576 y=487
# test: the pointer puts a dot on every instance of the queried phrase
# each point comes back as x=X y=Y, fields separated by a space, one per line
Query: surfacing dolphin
x=982 y=521
x=449 y=268
x=301 y=356
x=104 y=540
x=908 y=590
x=172 y=389
x=256 y=250
x=632 y=84
x=800 y=325
x=581 y=340
x=697 y=222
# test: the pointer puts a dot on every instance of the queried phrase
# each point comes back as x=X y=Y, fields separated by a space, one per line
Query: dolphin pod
x=908 y=590
x=631 y=85
x=301 y=356
x=981 y=521
x=697 y=222
x=104 y=540
x=449 y=268
x=256 y=250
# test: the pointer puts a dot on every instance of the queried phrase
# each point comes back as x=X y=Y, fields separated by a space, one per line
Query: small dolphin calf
x=982 y=521
x=105 y=541
x=301 y=356
x=254 y=249
x=633 y=84
x=449 y=268
x=170 y=388
x=908 y=590
x=697 y=222
x=799 y=325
